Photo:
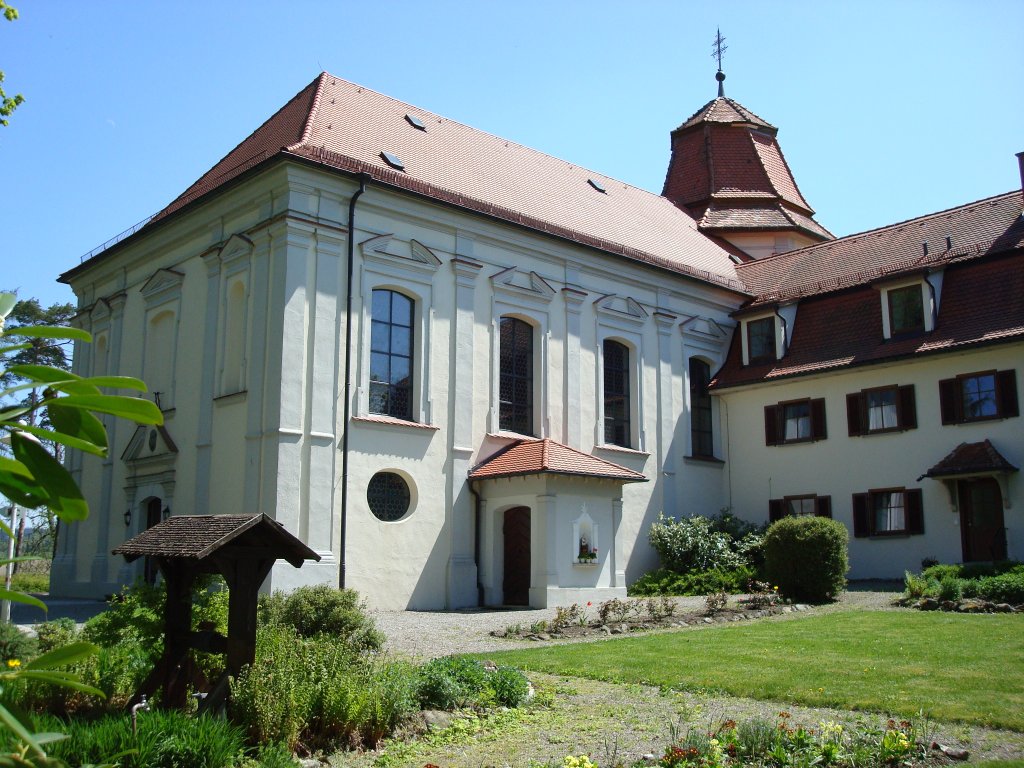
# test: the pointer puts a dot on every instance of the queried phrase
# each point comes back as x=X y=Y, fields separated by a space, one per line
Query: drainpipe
x=363 y=178
x=476 y=544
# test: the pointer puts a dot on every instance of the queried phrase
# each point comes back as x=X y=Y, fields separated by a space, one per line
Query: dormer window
x=906 y=310
x=909 y=306
x=761 y=335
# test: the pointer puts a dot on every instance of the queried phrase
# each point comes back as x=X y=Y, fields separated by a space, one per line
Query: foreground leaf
x=66 y=654
x=134 y=408
x=64 y=496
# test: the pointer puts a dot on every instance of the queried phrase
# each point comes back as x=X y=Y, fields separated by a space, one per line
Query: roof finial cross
x=719 y=49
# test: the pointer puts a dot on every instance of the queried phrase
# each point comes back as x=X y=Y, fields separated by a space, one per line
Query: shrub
x=15 y=644
x=1004 y=588
x=318 y=692
x=451 y=682
x=950 y=588
x=510 y=686
x=666 y=582
x=321 y=609
x=54 y=634
x=26 y=581
x=806 y=557
x=692 y=544
x=914 y=586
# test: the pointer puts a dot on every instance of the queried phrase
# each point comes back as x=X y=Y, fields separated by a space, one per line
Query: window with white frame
x=391 y=354
x=515 y=376
x=616 y=393
x=761 y=341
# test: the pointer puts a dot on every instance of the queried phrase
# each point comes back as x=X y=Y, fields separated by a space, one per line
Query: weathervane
x=719 y=49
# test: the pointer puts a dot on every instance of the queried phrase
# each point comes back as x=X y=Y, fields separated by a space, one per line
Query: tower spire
x=719 y=49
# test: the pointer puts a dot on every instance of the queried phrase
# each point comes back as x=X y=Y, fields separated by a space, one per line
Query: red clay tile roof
x=727 y=155
x=532 y=457
x=341 y=125
x=725 y=110
x=194 y=537
x=969 y=459
x=981 y=303
x=986 y=226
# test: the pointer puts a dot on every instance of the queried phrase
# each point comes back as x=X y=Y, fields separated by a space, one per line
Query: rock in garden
x=951 y=752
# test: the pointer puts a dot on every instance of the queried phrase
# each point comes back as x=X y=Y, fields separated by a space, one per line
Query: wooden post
x=244 y=578
x=177 y=629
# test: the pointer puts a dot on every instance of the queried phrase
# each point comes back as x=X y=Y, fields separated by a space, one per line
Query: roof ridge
x=307 y=129
x=856 y=235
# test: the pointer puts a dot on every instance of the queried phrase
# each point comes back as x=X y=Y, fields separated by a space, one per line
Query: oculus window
x=388 y=496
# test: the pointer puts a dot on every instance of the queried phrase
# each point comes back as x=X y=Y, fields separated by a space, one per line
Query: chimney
x=1020 y=162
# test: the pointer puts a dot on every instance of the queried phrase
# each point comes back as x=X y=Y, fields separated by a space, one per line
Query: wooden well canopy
x=242 y=549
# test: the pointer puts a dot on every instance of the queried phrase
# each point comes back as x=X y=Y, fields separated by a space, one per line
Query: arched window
x=158 y=364
x=616 y=393
x=391 y=340
x=234 y=340
x=701 y=434
x=515 y=385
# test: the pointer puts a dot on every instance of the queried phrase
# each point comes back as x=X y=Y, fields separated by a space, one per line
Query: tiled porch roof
x=532 y=457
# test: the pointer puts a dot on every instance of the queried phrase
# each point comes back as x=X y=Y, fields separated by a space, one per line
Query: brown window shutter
x=854 y=420
x=908 y=407
x=915 y=511
x=818 y=428
x=949 y=401
x=771 y=425
x=860 y=516
x=1006 y=393
x=776 y=510
x=823 y=506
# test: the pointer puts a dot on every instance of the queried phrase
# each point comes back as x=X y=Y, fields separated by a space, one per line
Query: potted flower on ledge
x=587 y=555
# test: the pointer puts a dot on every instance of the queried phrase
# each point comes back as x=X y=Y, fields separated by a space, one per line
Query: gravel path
x=429 y=634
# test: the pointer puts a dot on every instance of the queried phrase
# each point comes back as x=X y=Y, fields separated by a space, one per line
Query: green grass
x=954 y=667
x=31 y=582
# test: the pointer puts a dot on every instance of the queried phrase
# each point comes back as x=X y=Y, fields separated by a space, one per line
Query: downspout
x=363 y=178
x=476 y=544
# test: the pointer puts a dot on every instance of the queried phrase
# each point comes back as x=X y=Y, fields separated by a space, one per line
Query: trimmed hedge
x=806 y=557
x=666 y=582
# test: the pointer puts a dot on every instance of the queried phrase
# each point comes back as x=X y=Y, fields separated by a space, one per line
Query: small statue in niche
x=584 y=546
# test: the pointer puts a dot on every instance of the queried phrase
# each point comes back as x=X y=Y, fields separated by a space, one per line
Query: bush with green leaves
x=1001 y=582
x=806 y=557
x=319 y=692
x=320 y=609
x=16 y=645
x=693 y=544
x=454 y=682
x=665 y=582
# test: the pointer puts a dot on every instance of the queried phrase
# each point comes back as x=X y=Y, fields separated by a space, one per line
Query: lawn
x=954 y=667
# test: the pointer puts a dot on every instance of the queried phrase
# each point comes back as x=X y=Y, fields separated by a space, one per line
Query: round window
x=388 y=496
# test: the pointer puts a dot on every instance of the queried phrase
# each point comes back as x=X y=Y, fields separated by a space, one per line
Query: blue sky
x=886 y=110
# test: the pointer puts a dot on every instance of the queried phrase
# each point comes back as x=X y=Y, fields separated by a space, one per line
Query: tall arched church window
x=701 y=432
x=391 y=354
x=515 y=385
x=616 y=394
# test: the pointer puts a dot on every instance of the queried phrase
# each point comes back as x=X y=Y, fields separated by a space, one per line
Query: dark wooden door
x=516 y=585
x=152 y=518
x=981 y=520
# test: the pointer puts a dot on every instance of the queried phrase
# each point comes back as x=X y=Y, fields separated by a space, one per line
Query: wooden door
x=516 y=584
x=981 y=520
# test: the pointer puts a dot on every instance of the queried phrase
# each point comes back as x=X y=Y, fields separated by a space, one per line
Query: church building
x=467 y=373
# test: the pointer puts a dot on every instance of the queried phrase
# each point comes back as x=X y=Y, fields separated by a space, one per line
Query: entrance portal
x=153 y=516
x=981 y=519
x=516 y=584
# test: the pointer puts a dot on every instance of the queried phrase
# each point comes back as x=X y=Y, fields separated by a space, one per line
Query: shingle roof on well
x=194 y=537
x=531 y=457
x=344 y=126
x=969 y=458
x=990 y=225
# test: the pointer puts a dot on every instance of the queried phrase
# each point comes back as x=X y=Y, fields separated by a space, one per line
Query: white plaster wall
x=841 y=465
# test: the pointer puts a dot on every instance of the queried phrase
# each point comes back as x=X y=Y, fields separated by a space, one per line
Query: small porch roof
x=971 y=459
x=547 y=456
